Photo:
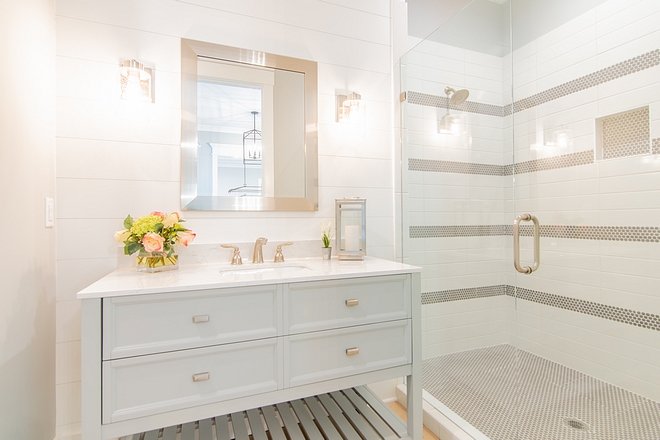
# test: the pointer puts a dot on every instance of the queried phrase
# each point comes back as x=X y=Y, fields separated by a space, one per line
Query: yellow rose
x=171 y=219
x=122 y=235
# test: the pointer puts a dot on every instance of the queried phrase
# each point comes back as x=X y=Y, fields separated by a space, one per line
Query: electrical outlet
x=50 y=212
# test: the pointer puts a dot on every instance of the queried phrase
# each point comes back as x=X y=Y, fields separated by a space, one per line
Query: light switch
x=50 y=212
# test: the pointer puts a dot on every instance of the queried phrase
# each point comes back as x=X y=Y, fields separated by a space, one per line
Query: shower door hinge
x=402 y=96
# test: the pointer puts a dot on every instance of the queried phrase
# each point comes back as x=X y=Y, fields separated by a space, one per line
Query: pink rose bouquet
x=156 y=232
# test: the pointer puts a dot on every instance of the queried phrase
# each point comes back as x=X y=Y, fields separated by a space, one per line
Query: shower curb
x=436 y=422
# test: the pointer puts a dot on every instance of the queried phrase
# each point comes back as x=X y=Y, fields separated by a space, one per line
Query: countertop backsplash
x=213 y=253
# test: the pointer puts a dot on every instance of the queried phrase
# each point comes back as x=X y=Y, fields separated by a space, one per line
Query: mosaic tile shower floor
x=511 y=394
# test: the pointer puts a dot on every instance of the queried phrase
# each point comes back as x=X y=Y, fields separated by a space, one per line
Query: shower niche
x=623 y=134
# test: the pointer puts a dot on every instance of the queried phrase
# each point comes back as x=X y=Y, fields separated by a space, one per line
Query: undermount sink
x=266 y=269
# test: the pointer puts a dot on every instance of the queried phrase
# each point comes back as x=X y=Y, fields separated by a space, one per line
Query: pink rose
x=171 y=220
x=152 y=242
x=186 y=237
x=158 y=214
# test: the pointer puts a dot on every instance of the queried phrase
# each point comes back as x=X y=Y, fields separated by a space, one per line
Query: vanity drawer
x=154 y=384
x=333 y=304
x=319 y=356
x=148 y=324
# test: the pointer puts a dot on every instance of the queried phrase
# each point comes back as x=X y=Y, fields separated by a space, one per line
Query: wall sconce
x=350 y=108
x=135 y=80
x=351 y=224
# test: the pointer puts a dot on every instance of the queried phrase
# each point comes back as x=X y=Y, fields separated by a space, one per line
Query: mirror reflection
x=248 y=130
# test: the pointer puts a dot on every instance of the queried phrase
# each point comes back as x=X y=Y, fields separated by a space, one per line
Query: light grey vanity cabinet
x=158 y=359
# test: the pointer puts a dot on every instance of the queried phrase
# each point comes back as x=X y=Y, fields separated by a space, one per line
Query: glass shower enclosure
x=523 y=111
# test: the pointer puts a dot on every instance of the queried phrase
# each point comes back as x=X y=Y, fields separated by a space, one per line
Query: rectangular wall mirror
x=249 y=135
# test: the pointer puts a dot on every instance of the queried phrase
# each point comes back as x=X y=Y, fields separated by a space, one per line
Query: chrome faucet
x=257 y=255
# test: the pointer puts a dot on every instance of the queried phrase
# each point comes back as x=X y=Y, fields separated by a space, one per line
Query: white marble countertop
x=127 y=281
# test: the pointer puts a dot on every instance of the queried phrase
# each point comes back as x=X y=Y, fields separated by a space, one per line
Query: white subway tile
x=628 y=33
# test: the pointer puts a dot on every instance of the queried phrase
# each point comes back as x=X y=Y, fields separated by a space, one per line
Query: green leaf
x=132 y=248
x=158 y=227
x=169 y=254
x=128 y=222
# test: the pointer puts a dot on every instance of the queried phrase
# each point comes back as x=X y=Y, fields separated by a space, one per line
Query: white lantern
x=351 y=224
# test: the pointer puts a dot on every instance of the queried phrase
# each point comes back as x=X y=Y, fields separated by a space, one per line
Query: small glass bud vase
x=156 y=261
x=327 y=252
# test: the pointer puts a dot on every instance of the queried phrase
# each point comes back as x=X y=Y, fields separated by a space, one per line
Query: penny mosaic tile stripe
x=619 y=314
x=442 y=101
x=549 y=163
x=641 y=234
x=627 y=67
x=456 y=231
x=461 y=294
x=656 y=146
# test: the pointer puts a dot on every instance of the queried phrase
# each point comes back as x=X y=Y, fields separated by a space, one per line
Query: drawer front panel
x=149 y=324
x=342 y=303
x=158 y=383
x=314 y=357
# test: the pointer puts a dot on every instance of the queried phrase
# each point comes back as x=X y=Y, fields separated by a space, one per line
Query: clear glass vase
x=156 y=261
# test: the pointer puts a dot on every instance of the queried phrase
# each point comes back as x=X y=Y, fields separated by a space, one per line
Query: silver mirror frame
x=190 y=51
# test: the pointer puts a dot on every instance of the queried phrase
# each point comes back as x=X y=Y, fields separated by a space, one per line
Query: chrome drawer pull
x=352 y=302
x=201 y=318
x=352 y=351
x=201 y=377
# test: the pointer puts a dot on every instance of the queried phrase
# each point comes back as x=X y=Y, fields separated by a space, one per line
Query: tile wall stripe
x=461 y=294
x=444 y=166
x=641 y=234
x=442 y=101
x=656 y=145
x=619 y=314
x=627 y=67
x=548 y=163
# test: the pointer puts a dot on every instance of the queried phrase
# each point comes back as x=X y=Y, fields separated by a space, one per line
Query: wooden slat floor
x=351 y=414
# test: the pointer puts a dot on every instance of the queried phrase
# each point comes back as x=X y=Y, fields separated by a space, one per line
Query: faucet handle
x=236 y=258
x=279 y=257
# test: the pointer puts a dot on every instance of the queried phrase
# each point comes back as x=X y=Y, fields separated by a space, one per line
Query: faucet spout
x=257 y=255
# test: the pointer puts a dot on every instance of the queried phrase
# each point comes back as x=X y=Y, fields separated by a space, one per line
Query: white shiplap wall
x=116 y=158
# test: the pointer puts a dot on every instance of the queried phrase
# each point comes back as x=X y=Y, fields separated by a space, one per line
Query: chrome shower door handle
x=516 y=244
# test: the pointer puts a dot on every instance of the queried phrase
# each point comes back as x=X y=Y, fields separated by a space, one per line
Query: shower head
x=457 y=96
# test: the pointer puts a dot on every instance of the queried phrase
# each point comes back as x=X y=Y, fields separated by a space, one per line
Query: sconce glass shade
x=135 y=81
x=350 y=108
x=351 y=228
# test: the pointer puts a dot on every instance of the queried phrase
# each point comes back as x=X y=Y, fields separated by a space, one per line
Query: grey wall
x=27 y=250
